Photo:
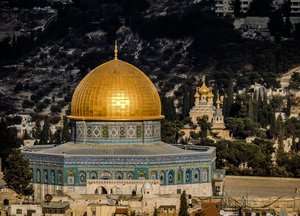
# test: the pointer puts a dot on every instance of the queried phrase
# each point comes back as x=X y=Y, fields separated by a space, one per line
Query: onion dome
x=197 y=95
x=116 y=91
x=218 y=102
x=203 y=89
x=210 y=94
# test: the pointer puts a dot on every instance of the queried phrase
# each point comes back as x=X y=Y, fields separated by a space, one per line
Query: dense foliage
x=17 y=173
x=183 y=209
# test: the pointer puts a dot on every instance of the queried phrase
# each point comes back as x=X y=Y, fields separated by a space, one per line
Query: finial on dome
x=203 y=79
x=116 y=50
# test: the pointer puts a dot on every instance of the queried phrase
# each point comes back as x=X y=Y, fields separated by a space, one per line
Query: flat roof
x=261 y=187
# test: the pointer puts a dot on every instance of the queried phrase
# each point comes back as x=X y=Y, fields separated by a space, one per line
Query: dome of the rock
x=116 y=91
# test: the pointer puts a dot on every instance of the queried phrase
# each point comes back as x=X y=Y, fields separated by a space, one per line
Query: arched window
x=45 y=176
x=38 y=176
x=188 y=176
x=153 y=175
x=119 y=175
x=179 y=177
x=106 y=175
x=142 y=175
x=82 y=177
x=53 y=177
x=171 y=177
x=71 y=175
x=196 y=176
x=93 y=175
x=60 y=177
x=162 y=177
x=204 y=177
x=130 y=175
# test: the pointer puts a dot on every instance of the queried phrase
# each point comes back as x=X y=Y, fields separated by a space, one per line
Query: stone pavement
x=261 y=187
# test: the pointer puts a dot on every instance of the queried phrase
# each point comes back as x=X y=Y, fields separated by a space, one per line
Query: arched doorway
x=101 y=190
x=6 y=202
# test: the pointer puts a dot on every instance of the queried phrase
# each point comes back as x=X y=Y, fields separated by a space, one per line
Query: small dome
x=218 y=102
x=197 y=95
x=116 y=91
x=147 y=185
x=203 y=89
x=210 y=94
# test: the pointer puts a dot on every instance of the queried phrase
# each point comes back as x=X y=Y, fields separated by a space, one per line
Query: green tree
x=168 y=108
x=186 y=104
x=287 y=28
x=205 y=126
x=37 y=130
x=228 y=101
x=170 y=130
x=155 y=212
x=276 y=23
x=295 y=81
x=8 y=139
x=45 y=134
x=183 y=209
x=55 y=109
x=17 y=173
x=277 y=103
x=66 y=136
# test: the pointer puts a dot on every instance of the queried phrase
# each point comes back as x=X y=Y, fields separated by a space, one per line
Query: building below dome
x=112 y=153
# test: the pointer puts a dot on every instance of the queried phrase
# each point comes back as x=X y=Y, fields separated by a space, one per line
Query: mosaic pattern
x=114 y=132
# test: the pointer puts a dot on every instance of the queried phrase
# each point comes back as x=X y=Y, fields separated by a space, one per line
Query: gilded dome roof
x=210 y=94
x=116 y=91
x=203 y=89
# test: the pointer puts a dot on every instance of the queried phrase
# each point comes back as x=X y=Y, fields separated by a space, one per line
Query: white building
x=226 y=7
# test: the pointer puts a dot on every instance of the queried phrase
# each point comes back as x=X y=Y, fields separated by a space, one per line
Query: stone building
x=204 y=106
x=116 y=143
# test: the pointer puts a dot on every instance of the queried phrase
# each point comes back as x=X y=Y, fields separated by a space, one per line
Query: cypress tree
x=288 y=107
x=228 y=99
x=37 y=130
x=185 y=104
x=45 y=134
x=183 y=210
x=250 y=111
x=191 y=96
x=66 y=137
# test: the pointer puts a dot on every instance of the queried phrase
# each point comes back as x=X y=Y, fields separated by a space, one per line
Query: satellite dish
x=48 y=197
x=222 y=212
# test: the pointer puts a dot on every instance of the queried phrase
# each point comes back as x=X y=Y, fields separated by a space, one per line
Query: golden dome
x=197 y=95
x=210 y=94
x=203 y=89
x=218 y=102
x=116 y=91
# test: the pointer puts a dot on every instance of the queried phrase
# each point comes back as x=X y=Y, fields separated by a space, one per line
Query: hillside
x=174 y=42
